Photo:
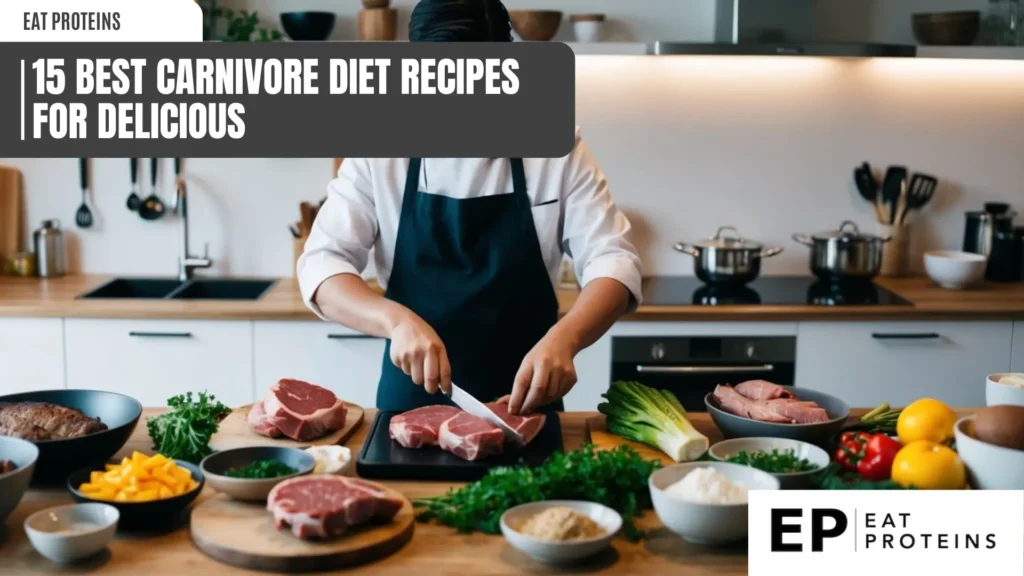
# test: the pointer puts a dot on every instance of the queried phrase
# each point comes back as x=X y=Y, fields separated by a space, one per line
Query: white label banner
x=803 y=533
x=100 y=21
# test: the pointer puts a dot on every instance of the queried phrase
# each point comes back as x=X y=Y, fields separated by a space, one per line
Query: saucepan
x=727 y=259
x=844 y=254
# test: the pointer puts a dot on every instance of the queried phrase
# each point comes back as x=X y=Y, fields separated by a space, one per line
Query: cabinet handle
x=704 y=369
x=349 y=337
x=160 y=334
x=910 y=336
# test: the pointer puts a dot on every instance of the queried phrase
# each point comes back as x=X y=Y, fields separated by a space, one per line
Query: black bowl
x=308 y=26
x=152 y=515
x=58 y=458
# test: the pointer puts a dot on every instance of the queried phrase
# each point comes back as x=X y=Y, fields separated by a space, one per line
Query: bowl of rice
x=706 y=502
x=560 y=531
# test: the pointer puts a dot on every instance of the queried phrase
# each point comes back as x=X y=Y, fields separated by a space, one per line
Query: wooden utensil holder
x=298 y=246
x=379 y=24
x=896 y=252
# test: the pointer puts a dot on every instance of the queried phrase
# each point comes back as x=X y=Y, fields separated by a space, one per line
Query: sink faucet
x=187 y=262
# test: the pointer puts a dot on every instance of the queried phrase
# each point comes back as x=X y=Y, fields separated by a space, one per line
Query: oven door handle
x=704 y=369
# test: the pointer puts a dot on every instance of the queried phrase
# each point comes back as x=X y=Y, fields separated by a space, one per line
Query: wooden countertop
x=435 y=548
x=31 y=297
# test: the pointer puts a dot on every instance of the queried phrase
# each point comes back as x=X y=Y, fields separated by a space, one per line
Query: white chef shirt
x=573 y=213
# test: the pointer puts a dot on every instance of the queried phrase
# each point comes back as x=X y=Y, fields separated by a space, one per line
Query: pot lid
x=847 y=232
x=727 y=237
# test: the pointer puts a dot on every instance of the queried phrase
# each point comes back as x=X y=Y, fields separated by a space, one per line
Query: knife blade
x=468 y=403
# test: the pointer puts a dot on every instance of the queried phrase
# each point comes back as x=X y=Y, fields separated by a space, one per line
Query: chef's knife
x=467 y=402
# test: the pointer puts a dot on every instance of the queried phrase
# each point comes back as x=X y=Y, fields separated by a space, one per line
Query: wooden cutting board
x=10 y=212
x=605 y=440
x=243 y=534
x=235 y=432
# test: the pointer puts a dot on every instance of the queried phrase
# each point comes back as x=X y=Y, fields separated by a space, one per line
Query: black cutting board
x=384 y=459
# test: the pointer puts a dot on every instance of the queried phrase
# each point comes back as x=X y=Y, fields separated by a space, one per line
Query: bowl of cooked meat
x=760 y=409
x=71 y=428
x=17 y=460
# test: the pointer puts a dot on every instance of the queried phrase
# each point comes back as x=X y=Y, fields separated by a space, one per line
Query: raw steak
x=420 y=427
x=470 y=437
x=323 y=506
x=260 y=421
x=528 y=426
x=762 y=390
x=779 y=410
x=303 y=411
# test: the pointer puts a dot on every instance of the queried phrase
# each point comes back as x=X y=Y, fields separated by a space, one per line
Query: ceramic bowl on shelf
x=552 y=552
x=535 y=25
x=308 y=26
x=954 y=270
x=216 y=466
x=587 y=27
x=817 y=457
x=1004 y=389
x=947 y=28
x=67 y=534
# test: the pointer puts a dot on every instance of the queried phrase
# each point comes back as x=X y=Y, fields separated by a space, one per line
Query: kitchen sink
x=171 y=289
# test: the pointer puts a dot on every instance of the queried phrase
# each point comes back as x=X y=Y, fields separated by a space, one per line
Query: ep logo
x=824 y=523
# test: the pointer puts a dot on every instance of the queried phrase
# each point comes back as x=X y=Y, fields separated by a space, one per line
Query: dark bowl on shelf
x=947 y=28
x=308 y=26
x=58 y=458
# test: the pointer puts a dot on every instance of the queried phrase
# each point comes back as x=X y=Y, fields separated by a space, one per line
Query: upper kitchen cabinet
x=1017 y=359
x=153 y=360
x=868 y=363
x=32 y=354
x=344 y=361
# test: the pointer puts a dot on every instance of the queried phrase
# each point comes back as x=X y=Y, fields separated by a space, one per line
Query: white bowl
x=71 y=533
x=997 y=394
x=706 y=523
x=560 y=552
x=788 y=481
x=954 y=270
x=989 y=467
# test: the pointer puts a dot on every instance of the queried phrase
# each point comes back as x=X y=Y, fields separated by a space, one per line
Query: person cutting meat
x=469 y=252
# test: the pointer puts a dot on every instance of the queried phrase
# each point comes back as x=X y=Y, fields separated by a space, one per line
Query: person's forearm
x=598 y=306
x=347 y=300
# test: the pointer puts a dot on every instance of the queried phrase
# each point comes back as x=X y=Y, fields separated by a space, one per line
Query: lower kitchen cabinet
x=1017 y=358
x=31 y=354
x=337 y=358
x=866 y=364
x=152 y=360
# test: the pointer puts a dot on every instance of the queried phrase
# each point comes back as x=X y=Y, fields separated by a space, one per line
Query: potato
x=139 y=478
x=1001 y=425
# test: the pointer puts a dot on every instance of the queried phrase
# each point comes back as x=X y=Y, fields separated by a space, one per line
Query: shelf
x=608 y=48
x=972 y=52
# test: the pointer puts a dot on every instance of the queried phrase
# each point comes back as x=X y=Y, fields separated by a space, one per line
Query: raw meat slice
x=420 y=427
x=261 y=423
x=762 y=390
x=322 y=506
x=303 y=411
x=528 y=426
x=735 y=403
x=798 y=412
x=470 y=437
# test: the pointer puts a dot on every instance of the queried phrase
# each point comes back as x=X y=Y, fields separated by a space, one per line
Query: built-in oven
x=690 y=367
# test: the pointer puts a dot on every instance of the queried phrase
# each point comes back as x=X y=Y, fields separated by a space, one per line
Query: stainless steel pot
x=844 y=254
x=727 y=259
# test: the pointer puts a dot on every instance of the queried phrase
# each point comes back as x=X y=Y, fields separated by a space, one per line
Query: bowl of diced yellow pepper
x=146 y=490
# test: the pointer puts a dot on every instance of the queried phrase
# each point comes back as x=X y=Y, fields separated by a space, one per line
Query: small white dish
x=954 y=270
x=989 y=467
x=67 y=534
x=710 y=524
x=560 y=552
x=818 y=458
x=997 y=394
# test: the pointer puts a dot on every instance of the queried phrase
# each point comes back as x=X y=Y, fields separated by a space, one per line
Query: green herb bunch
x=835 y=478
x=184 y=431
x=261 y=469
x=784 y=462
x=616 y=478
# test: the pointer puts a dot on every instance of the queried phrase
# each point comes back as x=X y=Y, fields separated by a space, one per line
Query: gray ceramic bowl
x=791 y=481
x=67 y=534
x=820 y=434
x=215 y=467
x=560 y=552
x=14 y=483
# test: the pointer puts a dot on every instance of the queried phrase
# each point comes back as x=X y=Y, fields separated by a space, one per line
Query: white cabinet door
x=31 y=354
x=339 y=359
x=867 y=363
x=1017 y=360
x=152 y=360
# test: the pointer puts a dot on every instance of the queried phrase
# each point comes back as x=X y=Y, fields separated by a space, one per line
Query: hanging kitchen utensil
x=727 y=258
x=83 y=217
x=892 y=188
x=152 y=208
x=867 y=185
x=844 y=254
x=133 y=199
x=919 y=193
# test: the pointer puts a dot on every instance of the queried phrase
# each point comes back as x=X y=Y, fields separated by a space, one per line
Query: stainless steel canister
x=49 y=246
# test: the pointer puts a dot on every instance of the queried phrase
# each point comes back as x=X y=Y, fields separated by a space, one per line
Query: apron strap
x=518 y=176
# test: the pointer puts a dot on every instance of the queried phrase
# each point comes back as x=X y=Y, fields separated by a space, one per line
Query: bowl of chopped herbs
x=251 y=473
x=796 y=464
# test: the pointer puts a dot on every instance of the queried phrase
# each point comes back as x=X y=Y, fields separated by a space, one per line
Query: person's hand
x=418 y=351
x=546 y=374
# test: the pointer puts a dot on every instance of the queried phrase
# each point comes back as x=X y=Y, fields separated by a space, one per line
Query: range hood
x=776 y=28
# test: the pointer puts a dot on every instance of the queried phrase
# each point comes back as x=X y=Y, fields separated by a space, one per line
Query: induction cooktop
x=767 y=290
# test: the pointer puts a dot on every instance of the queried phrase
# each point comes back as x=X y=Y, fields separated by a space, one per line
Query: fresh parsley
x=774 y=461
x=184 y=432
x=261 y=469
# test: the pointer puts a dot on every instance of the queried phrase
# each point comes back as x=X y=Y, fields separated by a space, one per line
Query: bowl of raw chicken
x=759 y=409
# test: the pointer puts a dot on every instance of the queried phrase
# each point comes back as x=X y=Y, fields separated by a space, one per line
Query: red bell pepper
x=879 y=452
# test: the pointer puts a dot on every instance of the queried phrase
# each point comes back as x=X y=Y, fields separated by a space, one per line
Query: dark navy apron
x=472 y=268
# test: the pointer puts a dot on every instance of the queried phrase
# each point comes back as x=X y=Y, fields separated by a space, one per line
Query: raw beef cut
x=323 y=506
x=762 y=390
x=420 y=427
x=527 y=426
x=783 y=410
x=301 y=411
x=260 y=421
x=470 y=437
